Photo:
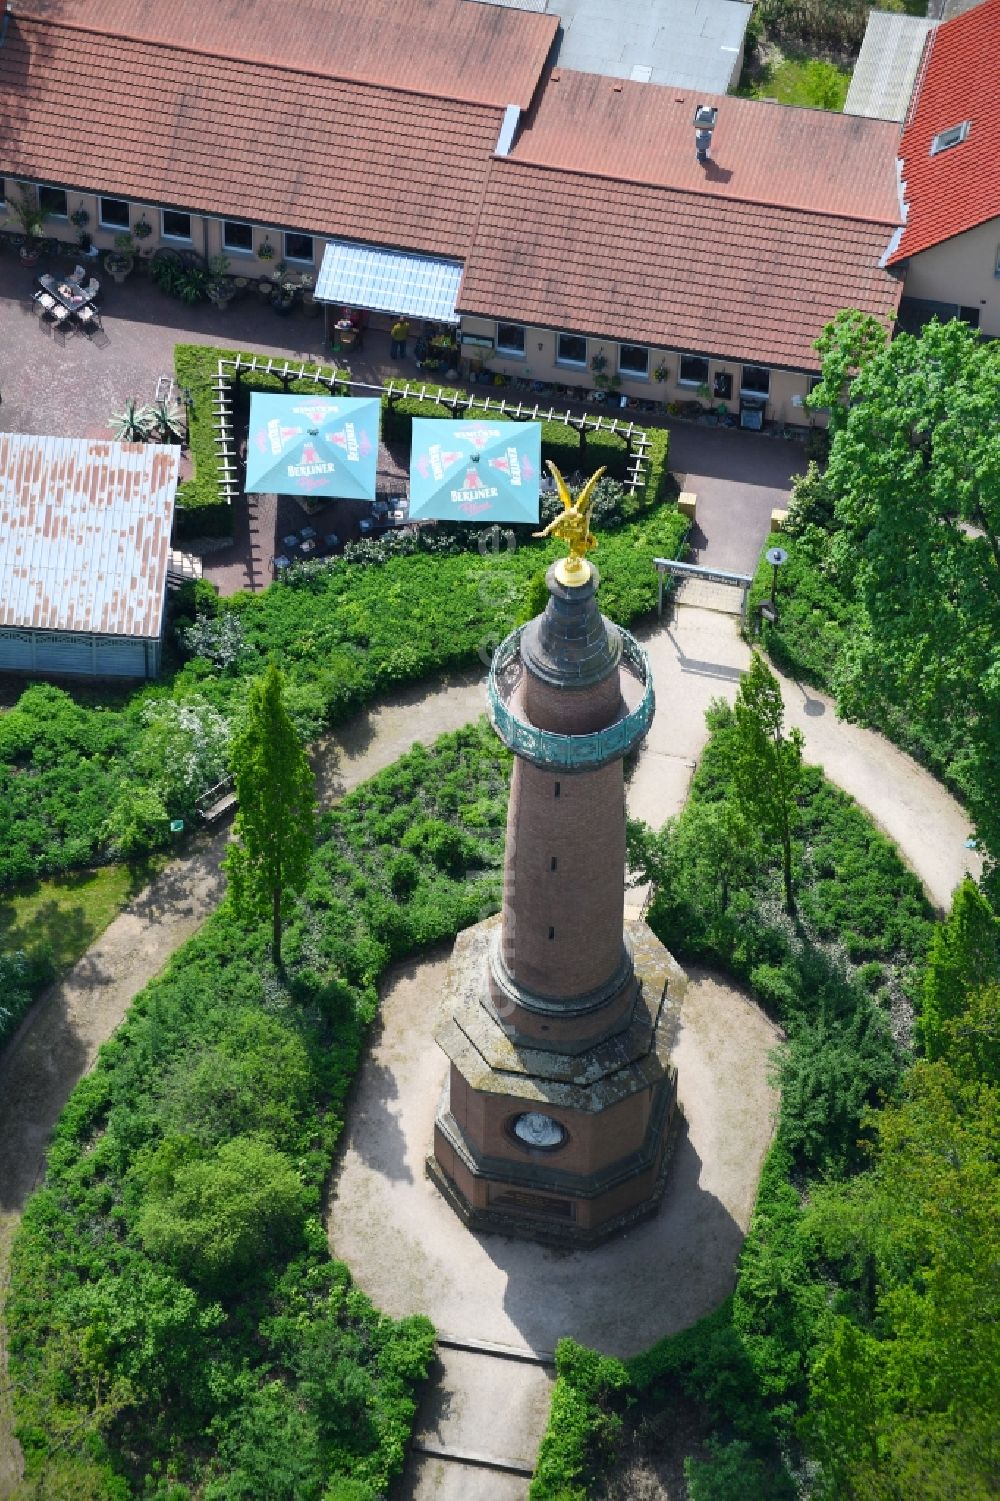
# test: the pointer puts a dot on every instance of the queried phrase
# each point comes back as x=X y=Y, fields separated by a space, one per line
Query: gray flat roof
x=887 y=65
x=690 y=44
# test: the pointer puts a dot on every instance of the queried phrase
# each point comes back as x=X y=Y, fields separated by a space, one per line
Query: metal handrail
x=554 y=752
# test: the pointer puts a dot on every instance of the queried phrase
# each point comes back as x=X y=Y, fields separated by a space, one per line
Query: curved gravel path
x=695 y=658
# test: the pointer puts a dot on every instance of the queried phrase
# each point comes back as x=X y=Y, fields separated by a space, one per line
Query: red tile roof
x=670 y=269
x=761 y=153
x=480 y=54
x=263 y=144
x=960 y=187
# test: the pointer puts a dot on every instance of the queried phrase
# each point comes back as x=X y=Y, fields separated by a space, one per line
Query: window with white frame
x=53 y=202
x=113 y=213
x=299 y=248
x=633 y=361
x=755 y=380
x=693 y=371
x=175 y=226
x=953 y=136
x=996 y=267
x=571 y=349
x=236 y=236
x=3 y=194
x=511 y=339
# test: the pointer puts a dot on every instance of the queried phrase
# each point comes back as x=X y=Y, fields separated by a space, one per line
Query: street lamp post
x=777 y=557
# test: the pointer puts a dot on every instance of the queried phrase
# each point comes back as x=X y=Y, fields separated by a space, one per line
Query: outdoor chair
x=89 y=319
x=79 y=275
x=43 y=303
x=92 y=288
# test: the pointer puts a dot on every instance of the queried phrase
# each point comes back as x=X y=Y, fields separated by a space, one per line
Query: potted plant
x=31 y=217
x=599 y=362
x=219 y=288
x=142 y=229
x=79 y=217
x=265 y=250
x=85 y=244
x=119 y=262
x=661 y=371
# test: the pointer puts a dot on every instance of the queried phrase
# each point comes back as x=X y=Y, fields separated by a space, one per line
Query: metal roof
x=887 y=65
x=85 y=533
x=389 y=281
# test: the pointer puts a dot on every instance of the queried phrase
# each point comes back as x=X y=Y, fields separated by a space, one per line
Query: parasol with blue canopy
x=313 y=445
x=475 y=469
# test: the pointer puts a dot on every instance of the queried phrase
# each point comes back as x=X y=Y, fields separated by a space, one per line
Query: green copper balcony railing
x=567 y=752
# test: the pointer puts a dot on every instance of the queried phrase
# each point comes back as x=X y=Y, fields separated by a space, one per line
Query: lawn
x=68 y=912
x=796 y=79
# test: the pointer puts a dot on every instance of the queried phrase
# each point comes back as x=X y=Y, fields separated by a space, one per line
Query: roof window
x=953 y=136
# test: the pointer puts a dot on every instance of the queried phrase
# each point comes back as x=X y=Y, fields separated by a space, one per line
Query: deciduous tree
x=964 y=956
x=765 y=763
x=915 y=476
x=275 y=824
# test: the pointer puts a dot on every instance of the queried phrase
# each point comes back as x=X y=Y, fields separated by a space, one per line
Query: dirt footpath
x=411 y=1253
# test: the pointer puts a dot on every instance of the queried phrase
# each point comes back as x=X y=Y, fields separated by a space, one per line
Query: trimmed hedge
x=200 y=513
x=178 y=1328
x=583 y=1426
x=199 y=510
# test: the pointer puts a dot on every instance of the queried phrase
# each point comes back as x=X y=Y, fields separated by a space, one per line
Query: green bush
x=22 y=976
x=79 y=778
x=174 y=1311
x=584 y=1424
x=215 y=1216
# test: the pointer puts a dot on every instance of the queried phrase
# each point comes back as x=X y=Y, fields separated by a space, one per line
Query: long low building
x=428 y=159
x=84 y=547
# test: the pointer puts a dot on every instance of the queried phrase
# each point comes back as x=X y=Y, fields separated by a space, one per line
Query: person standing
x=399 y=333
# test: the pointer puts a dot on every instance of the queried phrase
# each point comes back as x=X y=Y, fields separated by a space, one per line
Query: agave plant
x=134 y=423
x=168 y=420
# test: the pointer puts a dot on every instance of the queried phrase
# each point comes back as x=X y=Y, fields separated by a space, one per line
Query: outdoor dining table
x=67 y=293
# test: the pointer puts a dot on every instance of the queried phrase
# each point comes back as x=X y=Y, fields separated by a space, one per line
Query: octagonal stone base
x=615 y=1102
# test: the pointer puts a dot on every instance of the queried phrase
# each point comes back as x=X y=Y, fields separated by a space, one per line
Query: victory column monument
x=559 y=1017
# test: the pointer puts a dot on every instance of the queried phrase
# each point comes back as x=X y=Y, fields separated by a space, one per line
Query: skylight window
x=950 y=137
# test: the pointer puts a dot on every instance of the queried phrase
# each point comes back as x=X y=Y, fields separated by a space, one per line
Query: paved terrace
x=70 y=390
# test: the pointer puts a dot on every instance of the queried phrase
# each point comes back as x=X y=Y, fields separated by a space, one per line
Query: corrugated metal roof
x=85 y=533
x=389 y=281
x=473 y=53
x=774 y=154
x=887 y=65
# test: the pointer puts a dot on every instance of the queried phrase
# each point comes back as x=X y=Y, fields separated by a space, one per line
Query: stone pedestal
x=614 y=1102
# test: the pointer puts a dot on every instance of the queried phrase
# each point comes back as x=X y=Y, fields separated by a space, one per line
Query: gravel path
x=697 y=657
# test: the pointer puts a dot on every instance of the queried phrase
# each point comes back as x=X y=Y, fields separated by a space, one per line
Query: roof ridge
x=660 y=187
x=190 y=50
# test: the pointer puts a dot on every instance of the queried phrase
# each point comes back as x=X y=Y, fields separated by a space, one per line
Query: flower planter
x=29 y=255
x=118 y=267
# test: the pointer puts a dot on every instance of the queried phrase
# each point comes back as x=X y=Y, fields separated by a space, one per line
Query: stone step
x=725 y=598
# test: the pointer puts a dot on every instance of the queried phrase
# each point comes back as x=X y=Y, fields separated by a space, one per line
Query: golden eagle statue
x=573 y=526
